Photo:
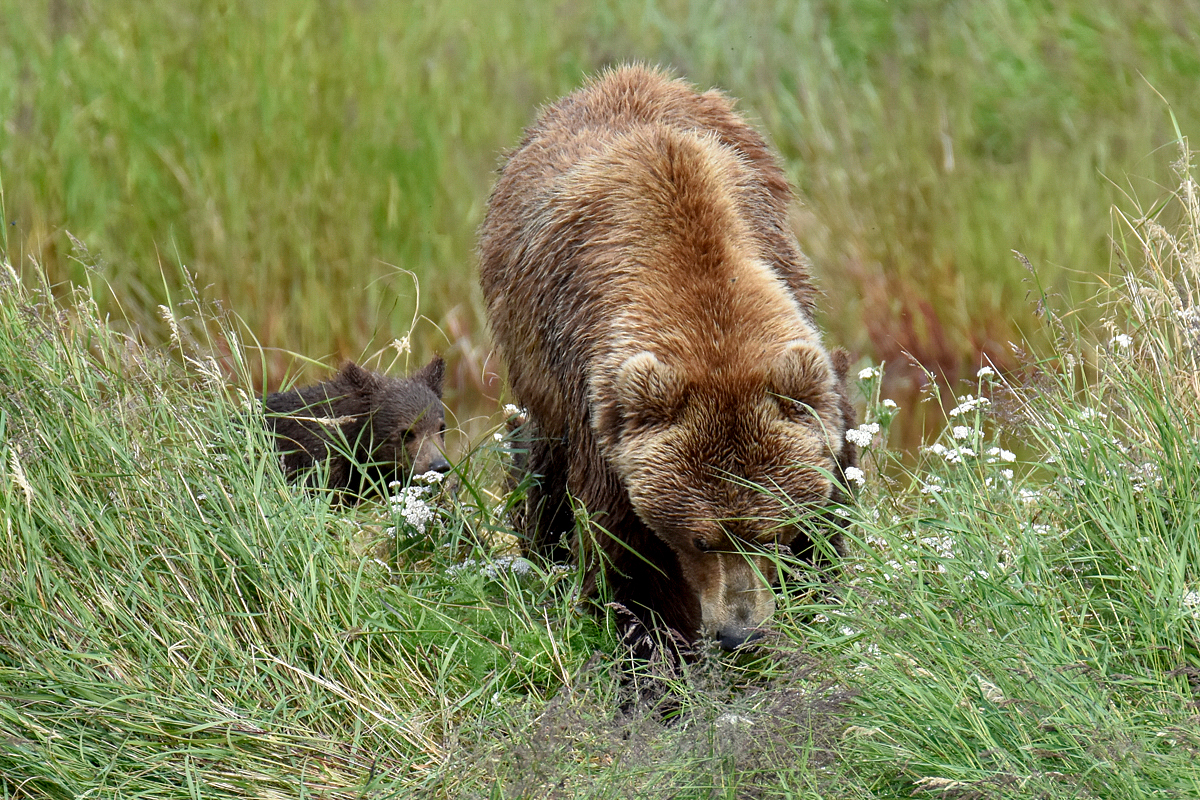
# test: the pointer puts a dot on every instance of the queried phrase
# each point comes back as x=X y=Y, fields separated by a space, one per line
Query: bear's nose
x=731 y=639
x=438 y=464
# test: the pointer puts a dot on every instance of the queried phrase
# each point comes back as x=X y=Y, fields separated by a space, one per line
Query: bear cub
x=365 y=427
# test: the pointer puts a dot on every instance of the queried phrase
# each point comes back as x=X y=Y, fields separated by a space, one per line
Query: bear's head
x=721 y=463
x=406 y=433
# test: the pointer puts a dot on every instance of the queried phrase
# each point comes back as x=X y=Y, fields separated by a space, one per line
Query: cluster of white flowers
x=1191 y=603
x=1145 y=475
x=897 y=569
x=513 y=411
x=985 y=372
x=969 y=403
x=995 y=453
x=491 y=570
x=890 y=405
x=1190 y=317
x=868 y=373
x=942 y=547
x=1121 y=341
x=953 y=455
x=863 y=434
x=1006 y=474
x=1089 y=413
x=856 y=475
x=962 y=432
x=410 y=503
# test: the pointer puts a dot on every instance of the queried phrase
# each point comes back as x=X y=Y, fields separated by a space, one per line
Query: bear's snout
x=735 y=596
x=436 y=464
x=734 y=638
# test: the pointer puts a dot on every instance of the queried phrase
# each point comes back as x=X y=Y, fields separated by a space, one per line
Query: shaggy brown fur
x=656 y=318
x=362 y=425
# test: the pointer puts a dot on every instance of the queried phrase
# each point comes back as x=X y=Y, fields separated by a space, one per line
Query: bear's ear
x=649 y=392
x=432 y=374
x=840 y=358
x=801 y=374
x=357 y=376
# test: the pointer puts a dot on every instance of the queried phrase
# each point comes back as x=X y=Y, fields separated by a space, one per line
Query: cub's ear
x=648 y=391
x=432 y=374
x=357 y=376
x=801 y=373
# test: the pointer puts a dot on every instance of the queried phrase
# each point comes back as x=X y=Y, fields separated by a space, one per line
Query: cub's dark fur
x=362 y=425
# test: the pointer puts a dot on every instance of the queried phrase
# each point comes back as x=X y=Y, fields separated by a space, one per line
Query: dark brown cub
x=366 y=428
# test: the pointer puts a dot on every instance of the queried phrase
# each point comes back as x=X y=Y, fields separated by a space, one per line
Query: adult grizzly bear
x=656 y=318
x=365 y=427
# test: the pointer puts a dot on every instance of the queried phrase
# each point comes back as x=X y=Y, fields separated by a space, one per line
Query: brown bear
x=655 y=315
x=366 y=428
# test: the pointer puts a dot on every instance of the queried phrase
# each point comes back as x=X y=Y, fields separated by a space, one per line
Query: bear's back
x=556 y=231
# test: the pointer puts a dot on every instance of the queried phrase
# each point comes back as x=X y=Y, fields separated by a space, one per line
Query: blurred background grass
x=311 y=163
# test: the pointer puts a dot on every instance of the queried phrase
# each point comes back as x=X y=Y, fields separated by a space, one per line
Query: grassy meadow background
x=310 y=164
x=203 y=199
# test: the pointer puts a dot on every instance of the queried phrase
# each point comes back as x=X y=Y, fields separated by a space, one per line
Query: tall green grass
x=1032 y=628
x=1019 y=615
x=179 y=622
x=299 y=156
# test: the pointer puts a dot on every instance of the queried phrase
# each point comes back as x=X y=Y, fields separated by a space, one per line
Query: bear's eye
x=701 y=545
x=797 y=410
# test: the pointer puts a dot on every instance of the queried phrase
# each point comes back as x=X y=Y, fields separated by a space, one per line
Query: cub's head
x=407 y=427
x=720 y=466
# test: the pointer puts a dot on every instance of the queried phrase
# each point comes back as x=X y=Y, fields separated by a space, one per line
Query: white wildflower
x=999 y=453
x=985 y=372
x=863 y=434
x=431 y=477
x=962 y=432
x=936 y=448
x=856 y=475
x=498 y=436
x=891 y=405
x=1191 y=602
x=969 y=403
x=463 y=566
x=868 y=373
x=1121 y=341
x=514 y=564
x=943 y=546
x=410 y=504
x=512 y=410
x=402 y=345
x=956 y=455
